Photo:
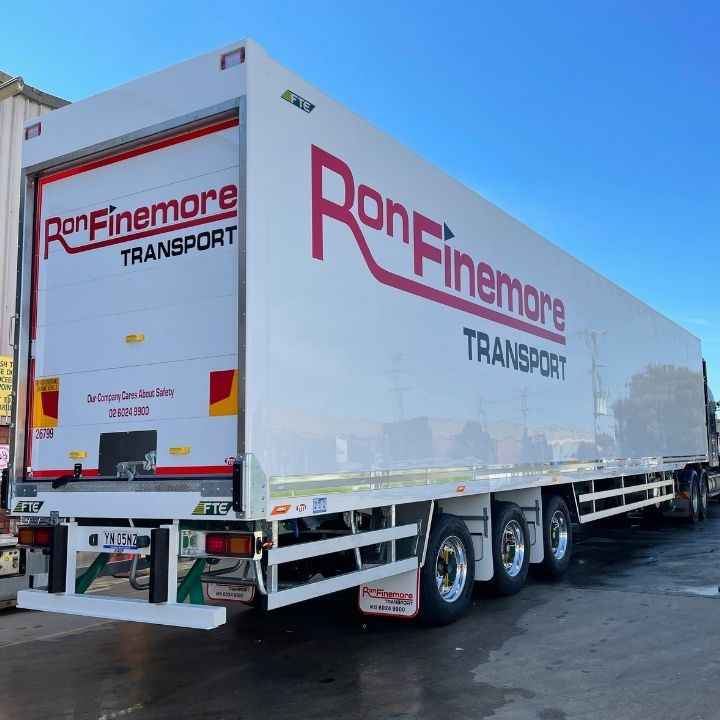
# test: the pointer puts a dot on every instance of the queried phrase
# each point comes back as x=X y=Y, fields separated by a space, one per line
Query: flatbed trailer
x=260 y=341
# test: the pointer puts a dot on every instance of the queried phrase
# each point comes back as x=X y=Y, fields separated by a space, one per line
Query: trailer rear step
x=201 y=617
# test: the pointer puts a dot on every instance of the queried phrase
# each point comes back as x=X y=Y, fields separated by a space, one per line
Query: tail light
x=35 y=536
x=230 y=544
x=54 y=542
x=215 y=544
x=199 y=543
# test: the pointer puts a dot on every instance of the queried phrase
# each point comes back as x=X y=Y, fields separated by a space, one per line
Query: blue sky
x=594 y=122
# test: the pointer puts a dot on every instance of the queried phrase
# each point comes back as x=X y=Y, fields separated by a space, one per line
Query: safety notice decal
x=46 y=402
x=136 y=402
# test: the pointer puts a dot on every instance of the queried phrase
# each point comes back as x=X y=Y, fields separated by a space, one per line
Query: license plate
x=231 y=593
x=114 y=540
x=118 y=540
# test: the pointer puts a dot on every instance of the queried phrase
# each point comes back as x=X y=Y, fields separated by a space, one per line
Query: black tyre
x=703 y=495
x=694 y=501
x=447 y=577
x=557 y=536
x=510 y=548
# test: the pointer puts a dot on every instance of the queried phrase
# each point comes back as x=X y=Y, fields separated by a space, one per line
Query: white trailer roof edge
x=167 y=99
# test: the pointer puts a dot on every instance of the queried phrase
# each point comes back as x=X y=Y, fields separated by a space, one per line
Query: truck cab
x=712 y=423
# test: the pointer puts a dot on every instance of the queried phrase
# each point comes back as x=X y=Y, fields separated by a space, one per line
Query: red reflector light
x=230 y=544
x=216 y=544
x=43 y=536
x=32 y=131
x=232 y=58
x=35 y=536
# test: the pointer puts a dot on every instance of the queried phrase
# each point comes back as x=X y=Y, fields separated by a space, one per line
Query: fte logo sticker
x=212 y=507
x=28 y=506
x=297 y=101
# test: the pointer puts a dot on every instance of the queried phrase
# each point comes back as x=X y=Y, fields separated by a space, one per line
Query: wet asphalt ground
x=632 y=631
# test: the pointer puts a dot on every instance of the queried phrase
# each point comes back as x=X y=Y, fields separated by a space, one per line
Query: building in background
x=18 y=102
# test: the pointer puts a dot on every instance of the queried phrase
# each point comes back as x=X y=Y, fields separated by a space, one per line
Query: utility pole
x=600 y=396
x=396 y=371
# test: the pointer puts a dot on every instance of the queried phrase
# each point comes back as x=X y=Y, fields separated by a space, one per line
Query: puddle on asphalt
x=704 y=590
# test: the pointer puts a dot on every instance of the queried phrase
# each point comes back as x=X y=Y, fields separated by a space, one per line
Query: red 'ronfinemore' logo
x=104 y=226
x=380 y=594
x=471 y=286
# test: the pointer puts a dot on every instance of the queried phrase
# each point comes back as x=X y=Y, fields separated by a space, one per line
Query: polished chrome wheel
x=558 y=535
x=451 y=568
x=513 y=548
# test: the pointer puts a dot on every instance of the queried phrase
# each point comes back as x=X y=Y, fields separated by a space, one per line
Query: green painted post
x=85 y=580
x=191 y=584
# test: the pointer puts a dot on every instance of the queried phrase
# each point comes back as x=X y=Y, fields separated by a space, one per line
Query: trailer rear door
x=134 y=368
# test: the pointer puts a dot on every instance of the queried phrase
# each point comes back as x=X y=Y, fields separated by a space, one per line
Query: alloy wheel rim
x=558 y=535
x=451 y=568
x=513 y=548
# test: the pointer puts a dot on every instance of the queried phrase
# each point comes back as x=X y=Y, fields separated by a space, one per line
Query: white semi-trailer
x=267 y=347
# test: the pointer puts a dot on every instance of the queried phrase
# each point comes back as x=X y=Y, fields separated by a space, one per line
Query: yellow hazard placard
x=46 y=402
x=47 y=384
x=6 y=380
x=223 y=393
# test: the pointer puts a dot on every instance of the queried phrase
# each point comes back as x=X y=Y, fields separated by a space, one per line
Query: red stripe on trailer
x=159 y=145
x=30 y=409
x=189 y=470
x=36 y=263
x=195 y=470
x=42 y=474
